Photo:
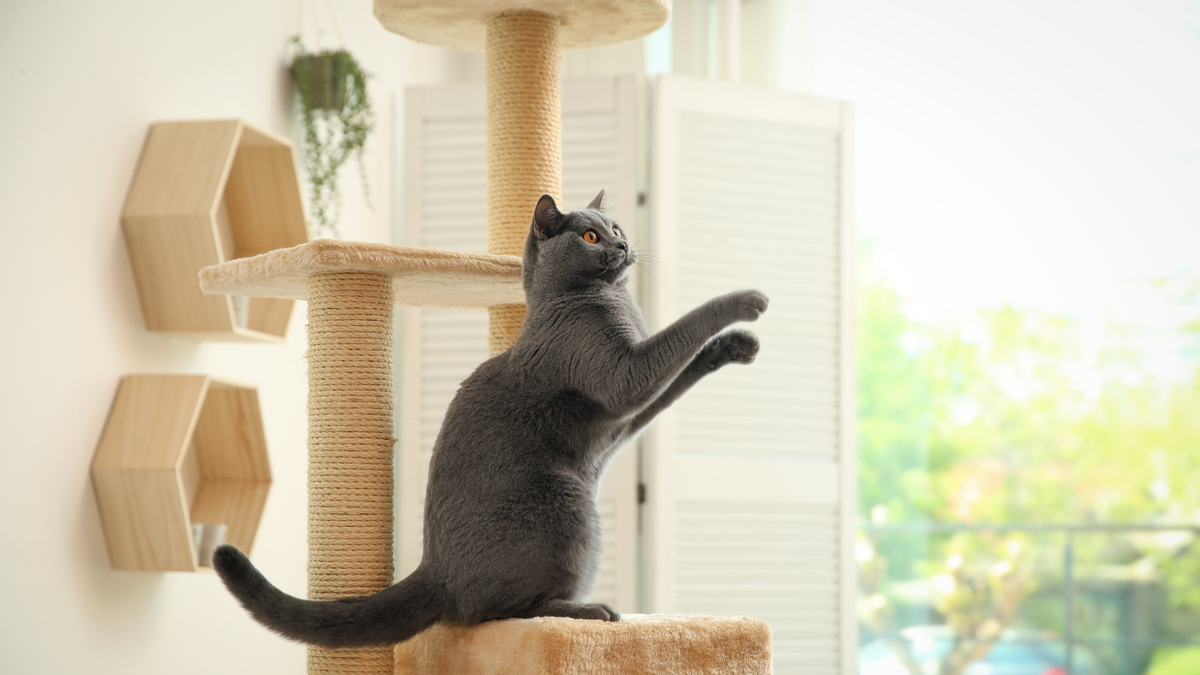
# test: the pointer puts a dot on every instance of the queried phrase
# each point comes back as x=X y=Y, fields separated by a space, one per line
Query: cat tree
x=351 y=289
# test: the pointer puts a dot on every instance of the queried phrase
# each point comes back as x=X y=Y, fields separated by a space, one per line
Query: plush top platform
x=422 y=277
x=639 y=644
x=462 y=24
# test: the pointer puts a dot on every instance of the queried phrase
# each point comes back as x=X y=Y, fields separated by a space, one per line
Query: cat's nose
x=624 y=246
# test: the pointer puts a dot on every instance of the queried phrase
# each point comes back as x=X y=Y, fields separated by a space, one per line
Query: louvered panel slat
x=453 y=217
x=779 y=563
x=815 y=398
x=719 y=258
x=746 y=383
x=777 y=406
x=757 y=203
x=778 y=424
x=791 y=260
x=752 y=547
x=445 y=149
x=803 y=265
x=460 y=216
x=768 y=180
x=779 y=566
x=767 y=185
x=807 y=214
x=453 y=169
x=769 y=428
x=453 y=190
x=743 y=174
x=818 y=449
x=733 y=134
x=450 y=350
x=749 y=401
x=453 y=214
x=449 y=204
x=456 y=242
x=796 y=262
x=452 y=318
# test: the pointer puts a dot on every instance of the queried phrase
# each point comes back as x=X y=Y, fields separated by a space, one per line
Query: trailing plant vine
x=337 y=115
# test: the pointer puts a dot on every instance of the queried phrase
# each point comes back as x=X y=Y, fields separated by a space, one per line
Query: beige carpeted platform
x=639 y=644
x=462 y=24
x=421 y=277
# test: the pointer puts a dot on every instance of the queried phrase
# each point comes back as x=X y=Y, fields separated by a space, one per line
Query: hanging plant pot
x=321 y=79
x=336 y=111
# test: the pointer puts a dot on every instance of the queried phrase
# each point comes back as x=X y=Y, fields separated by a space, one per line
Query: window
x=1029 y=394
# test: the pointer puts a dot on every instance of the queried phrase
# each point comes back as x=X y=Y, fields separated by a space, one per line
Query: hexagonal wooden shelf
x=177 y=450
x=206 y=192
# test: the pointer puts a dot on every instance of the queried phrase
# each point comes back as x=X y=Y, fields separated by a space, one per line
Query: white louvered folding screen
x=445 y=198
x=750 y=476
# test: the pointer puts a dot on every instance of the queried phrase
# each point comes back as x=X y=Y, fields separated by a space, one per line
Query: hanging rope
x=316 y=24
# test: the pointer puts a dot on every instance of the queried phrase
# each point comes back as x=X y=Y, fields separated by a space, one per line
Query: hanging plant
x=336 y=110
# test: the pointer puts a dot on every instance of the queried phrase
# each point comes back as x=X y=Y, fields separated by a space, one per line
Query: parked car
x=1017 y=652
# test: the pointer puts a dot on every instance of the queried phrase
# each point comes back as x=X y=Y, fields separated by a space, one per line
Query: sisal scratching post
x=351 y=288
x=524 y=141
x=350 y=442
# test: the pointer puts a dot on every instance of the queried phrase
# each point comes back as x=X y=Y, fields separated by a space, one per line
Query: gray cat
x=511 y=528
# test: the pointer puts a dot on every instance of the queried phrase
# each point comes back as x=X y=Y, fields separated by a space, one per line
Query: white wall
x=79 y=84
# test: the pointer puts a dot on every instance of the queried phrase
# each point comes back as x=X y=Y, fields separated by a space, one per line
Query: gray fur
x=511 y=528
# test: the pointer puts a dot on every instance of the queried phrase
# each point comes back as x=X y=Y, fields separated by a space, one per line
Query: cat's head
x=576 y=246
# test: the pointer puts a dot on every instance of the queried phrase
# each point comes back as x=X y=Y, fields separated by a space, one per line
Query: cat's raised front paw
x=750 y=304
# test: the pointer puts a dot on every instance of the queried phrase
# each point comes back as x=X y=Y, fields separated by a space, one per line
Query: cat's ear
x=598 y=202
x=547 y=220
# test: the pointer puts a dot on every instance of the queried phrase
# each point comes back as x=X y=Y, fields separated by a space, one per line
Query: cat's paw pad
x=750 y=304
x=735 y=346
x=741 y=345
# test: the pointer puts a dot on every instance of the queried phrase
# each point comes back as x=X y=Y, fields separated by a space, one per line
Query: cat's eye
x=616 y=232
x=591 y=237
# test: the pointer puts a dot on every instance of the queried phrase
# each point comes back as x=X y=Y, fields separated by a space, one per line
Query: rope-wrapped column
x=524 y=140
x=350 y=444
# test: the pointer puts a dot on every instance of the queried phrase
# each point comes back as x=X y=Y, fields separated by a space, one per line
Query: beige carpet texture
x=421 y=277
x=462 y=24
x=639 y=644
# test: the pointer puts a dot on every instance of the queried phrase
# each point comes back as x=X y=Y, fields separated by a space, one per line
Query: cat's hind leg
x=598 y=611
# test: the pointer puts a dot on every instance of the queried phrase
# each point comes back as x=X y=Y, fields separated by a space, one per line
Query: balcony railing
x=1083 y=562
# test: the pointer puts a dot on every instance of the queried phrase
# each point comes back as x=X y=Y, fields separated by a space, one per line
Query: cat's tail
x=387 y=617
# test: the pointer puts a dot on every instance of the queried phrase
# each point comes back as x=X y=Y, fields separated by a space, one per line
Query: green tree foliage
x=894 y=408
x=1011 y=415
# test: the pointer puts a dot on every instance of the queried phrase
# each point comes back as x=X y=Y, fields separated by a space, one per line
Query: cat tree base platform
x=638 y=644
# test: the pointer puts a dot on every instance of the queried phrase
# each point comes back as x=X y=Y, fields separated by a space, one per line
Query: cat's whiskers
x=646 y=265
x=655 y=262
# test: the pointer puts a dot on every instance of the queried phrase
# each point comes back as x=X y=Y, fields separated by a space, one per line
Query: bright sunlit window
x=1028 y=192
